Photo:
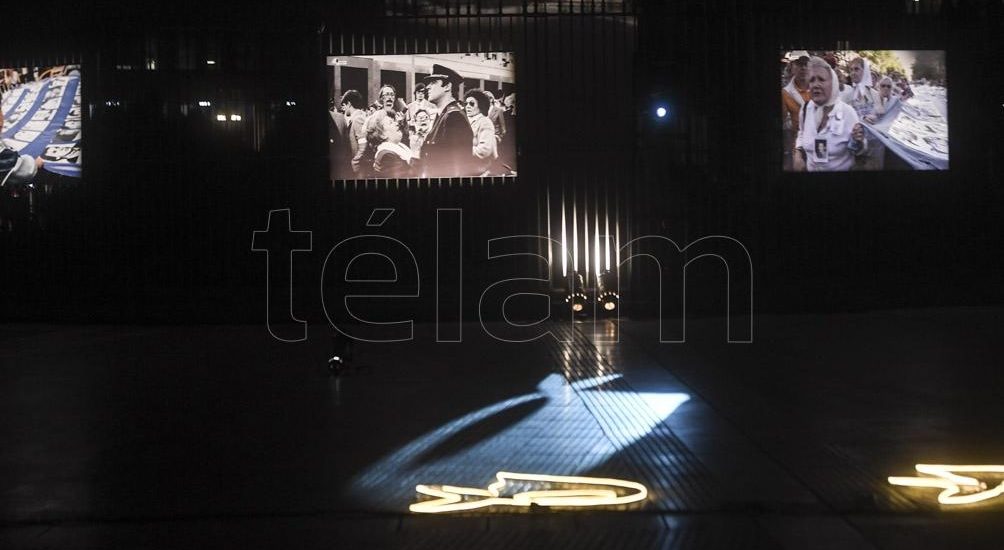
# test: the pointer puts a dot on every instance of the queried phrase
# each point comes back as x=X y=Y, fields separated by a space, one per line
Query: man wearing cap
x=446 y=151
x=796 y=92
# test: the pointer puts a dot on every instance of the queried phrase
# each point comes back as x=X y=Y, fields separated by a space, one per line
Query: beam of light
x=606 y=230
x=585 y=239
x=554 y=406
x=564 y=239
x=596 y=240
x=448 y=498
x=575 y=235
x=550 y=249
x=956 y=489
x=617 y=232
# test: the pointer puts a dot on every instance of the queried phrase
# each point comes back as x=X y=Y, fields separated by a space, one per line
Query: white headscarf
x=817 y=110
x=861 y=88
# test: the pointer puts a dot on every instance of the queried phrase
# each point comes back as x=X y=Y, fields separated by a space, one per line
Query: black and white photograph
x=422 y=116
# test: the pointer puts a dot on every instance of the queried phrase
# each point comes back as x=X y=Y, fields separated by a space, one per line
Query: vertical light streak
x=606 y=231
x=550 y=259
x=596 y=238
x=564 y=238
x=575 y=234
x=585 y=236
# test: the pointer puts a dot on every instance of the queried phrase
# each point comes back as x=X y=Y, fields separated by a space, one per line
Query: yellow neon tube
x=956 y=489
x=450 y=498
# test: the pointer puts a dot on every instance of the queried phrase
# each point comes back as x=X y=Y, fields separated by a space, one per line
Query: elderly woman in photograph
x=885 y=102
x=861 y=94
x=830 y=135
x=485 y=146
x=392 y=158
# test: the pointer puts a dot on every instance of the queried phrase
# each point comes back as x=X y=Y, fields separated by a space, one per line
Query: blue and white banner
x=43 y=119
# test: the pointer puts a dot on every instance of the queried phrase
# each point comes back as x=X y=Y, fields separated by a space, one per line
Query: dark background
x=159 y=228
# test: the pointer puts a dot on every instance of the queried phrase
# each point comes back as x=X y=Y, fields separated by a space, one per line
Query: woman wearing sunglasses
x=485 y=146
x=885 y=102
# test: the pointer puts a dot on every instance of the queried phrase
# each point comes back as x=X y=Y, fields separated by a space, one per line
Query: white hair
x=821 y=64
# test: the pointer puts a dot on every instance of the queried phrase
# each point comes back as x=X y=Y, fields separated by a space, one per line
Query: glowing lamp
x=606 y=290
x=448 y=498
x=956 y=489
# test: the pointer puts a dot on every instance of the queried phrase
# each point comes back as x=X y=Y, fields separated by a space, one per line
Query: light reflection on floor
x=549 y=431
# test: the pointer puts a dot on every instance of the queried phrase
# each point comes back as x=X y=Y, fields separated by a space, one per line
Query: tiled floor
x=182 y=437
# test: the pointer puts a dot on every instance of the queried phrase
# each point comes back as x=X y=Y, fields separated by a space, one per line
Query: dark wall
x=159 y=229
x=822 y=242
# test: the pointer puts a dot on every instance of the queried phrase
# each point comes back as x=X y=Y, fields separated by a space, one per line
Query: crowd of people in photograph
x=824 y=112
x=436 y=135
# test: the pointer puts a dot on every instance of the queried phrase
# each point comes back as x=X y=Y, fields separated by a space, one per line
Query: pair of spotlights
x=607 y=298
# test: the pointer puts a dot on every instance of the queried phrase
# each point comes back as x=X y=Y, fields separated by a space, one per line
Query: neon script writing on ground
x=448 y=498
x=956 y=489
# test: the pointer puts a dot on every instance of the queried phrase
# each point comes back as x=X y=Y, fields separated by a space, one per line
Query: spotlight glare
x=610 y=306
x=660 y=112
x=577 y=307
x=221 y=118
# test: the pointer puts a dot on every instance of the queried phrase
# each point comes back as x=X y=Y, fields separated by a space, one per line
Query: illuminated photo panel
x=864 y=110
x=422 y=116
x=41 y=123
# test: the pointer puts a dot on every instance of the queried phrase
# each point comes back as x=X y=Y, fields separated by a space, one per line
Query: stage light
x=661 y=112
x=577 y=298
x=606 y=290
x=210 y=62
x=221 y=118
x=451 y=498
x=341 y=354
x=956 y=489
x=235 y=118
x=290 y=103
x=205 y=104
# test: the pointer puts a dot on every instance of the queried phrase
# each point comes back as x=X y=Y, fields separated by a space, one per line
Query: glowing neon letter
x=956 y=489
x=449 y=498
